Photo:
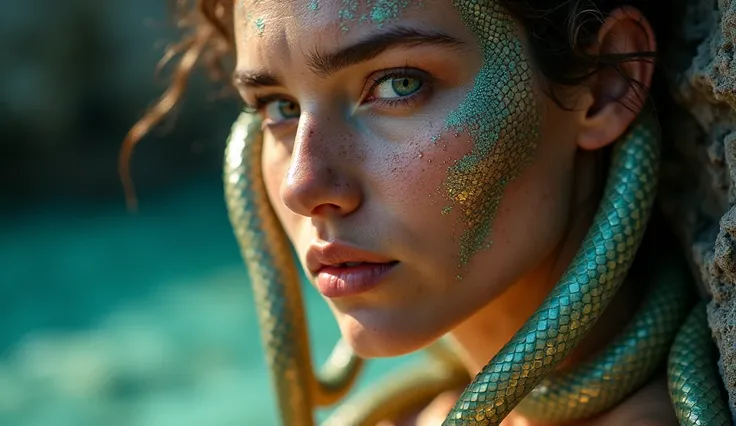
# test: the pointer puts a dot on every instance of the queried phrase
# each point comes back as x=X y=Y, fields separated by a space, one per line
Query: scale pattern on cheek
x=500 y=115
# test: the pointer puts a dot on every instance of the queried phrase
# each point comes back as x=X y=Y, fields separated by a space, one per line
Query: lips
x=343 y=270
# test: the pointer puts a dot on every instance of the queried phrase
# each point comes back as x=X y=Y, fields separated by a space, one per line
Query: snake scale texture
x=693 y=379
x=523 y=372
x=625 y=364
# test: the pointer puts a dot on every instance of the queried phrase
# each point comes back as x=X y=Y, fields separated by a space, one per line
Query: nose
x=322 y=178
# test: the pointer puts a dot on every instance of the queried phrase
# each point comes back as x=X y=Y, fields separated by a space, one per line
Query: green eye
x=398 y=87
x=280 y=110
x=289 y=109
x=405 y=86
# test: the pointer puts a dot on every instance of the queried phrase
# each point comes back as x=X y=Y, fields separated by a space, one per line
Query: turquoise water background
x=110 y=318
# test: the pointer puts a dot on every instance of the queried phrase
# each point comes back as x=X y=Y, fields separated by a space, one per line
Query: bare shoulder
x=650 y=406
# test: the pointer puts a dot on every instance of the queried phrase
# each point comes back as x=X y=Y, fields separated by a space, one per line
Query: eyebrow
x=326 y=64
x=367 y=49
x=253 y=80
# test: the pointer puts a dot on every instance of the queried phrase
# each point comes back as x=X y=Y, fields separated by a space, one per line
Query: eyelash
x=260 y=103
x=409 y=100
x=404 y=101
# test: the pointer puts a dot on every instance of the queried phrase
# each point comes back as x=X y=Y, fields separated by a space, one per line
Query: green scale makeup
x=259 y=23
x=376 y=12
x=500 y=116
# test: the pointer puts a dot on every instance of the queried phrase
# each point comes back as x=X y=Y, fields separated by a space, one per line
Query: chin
x=373 y=337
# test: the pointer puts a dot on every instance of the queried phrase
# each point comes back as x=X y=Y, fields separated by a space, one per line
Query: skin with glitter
x=260 y=24
x=376 y=12
x=500 y=114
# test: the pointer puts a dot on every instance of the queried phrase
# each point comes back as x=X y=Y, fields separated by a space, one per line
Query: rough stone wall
x=699 y=187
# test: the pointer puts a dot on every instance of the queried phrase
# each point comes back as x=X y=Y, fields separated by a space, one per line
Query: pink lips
x=342 y=270
x=335 y=281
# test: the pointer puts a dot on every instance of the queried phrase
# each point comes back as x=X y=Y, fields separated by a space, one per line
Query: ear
x=617 y=97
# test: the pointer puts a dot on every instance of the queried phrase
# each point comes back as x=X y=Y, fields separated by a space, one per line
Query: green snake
x=523 y=374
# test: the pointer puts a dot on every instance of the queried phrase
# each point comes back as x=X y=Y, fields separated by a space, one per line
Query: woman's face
x=412 y=138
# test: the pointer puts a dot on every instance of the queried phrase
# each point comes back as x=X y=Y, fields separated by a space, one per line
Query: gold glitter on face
x=500 y=116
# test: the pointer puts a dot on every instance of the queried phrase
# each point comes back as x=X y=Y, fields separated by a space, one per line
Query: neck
x=483 y=335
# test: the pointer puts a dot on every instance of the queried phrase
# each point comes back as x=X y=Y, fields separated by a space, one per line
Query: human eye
x=399 y=88
x=275 y=111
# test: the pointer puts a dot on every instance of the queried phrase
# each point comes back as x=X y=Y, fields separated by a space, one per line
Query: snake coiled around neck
x=564 y=318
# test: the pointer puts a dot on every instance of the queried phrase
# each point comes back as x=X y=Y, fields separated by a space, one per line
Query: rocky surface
x=700 y=174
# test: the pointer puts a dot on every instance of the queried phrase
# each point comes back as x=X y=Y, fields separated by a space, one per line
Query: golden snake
x=523 y=372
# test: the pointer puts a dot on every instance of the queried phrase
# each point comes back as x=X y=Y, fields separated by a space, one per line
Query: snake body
x=276 y=285
x=694 y=383
x=529 y=359
x=625 y=364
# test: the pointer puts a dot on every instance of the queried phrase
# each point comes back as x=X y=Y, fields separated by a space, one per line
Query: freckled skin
x=381 y=178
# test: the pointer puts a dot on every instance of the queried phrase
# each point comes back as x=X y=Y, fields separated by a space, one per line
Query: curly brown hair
x=208 y=39
x=559 y=37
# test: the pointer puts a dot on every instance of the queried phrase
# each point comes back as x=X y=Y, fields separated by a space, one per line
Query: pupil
x=406 y=86
x=288 y=108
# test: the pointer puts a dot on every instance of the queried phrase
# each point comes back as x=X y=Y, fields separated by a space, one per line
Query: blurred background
x=108 y=317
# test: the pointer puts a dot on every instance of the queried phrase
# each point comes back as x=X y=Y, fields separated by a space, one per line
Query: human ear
x=618 y=95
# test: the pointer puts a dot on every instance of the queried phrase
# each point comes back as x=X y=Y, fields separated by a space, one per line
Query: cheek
x=413 y=196
x=411 y=170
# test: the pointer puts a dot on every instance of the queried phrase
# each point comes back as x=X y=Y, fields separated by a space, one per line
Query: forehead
x=268 y=29
x=327 y=14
